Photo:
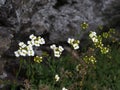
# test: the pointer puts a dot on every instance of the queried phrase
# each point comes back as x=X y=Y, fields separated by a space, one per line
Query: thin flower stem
x=19 y=68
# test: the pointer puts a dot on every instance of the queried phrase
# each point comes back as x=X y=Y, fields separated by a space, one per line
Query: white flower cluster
x=57 y=50
x=27 y=50
x=57 y=78
x=93 y=36
x=24 y=50
x=36 y=41
x=74 y=43
x=97 y=40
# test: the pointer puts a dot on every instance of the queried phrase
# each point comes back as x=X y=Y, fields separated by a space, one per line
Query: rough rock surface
x=2 y=2
x=5 y=39
x=60 y=18
x=54 y=19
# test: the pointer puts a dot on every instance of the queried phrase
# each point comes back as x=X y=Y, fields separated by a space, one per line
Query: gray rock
x=112 y=14
x=5 y=39
x=61 y=18
x=2 y=2
x=4 y=75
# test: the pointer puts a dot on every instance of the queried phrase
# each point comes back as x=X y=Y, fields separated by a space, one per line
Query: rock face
x=112 y=14
x=60 y=19
x=5 y=39
x=2 y=2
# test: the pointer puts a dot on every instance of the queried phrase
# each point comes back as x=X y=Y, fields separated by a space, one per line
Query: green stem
x=19 y=69
x=14 y=84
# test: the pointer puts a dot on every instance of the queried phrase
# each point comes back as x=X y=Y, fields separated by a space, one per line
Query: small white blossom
x=92 y=34
x=32 y=37
x=57 y=50
x=36 y=41
x=70 y=40
x=94 y=39
x=64 y=88
x=29 y=42
x=29 y=47
x=16 y=53
x=61 y=48
x=42 y=41
x=74 y=43
x=57 y=78
x=22 y=44
x=57 y=54
x=30 y=53
x=75 y=46
x=53 y=46
x=22 y=52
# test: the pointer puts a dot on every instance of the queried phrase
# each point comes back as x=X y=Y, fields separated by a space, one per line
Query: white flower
x=22 y=52
x=70 y=40
x=92 y=34
x=57 y=54
x=75 y=46
x=36 y=41
x=29 y=47
x=25 y=50
x=22 y=45
x=53 y=46
x=57 y=50
x=64 y=88
x=16 y=53
x=30 y=43
x=30 y=53
x=32 y=37
x=42 y=41
x=57 y=77
x=74 y=43
x=94 y=39
x=61 y=48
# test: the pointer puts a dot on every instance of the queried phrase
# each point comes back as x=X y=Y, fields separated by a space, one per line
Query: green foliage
x=106 y=75
x=99 y=69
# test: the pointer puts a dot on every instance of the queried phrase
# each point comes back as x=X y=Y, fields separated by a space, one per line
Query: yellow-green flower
x=84 y=25
x=86 y=59
x=78 y=67
x=92 y=59
x=105 y=35
x=89 y=59
x=104 y=50
x=38 y=59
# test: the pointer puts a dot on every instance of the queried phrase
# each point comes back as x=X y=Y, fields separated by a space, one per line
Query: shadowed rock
x=5 y=39
x=60 y=18
x=56 y=20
